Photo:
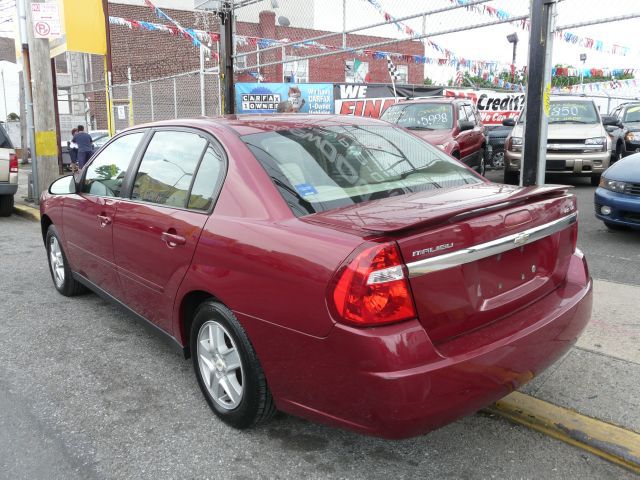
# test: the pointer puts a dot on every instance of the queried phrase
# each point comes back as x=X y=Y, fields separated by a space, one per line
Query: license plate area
x=556 y=164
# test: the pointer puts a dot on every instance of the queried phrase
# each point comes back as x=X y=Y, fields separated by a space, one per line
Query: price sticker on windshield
x=547 y=99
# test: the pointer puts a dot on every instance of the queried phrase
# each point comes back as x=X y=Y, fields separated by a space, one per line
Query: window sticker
x=306 y=189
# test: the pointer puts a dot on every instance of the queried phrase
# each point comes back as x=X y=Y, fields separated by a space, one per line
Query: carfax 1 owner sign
x=494 y=107
x=284 y=98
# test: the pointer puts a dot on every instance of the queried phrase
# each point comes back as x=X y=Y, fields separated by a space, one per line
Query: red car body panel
x=275 y=272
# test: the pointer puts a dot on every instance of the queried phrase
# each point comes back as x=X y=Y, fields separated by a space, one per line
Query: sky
x=487 y=43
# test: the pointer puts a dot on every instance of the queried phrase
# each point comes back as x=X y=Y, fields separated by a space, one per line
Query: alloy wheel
x=220 y=365
x=497 y=160
x=57 y=261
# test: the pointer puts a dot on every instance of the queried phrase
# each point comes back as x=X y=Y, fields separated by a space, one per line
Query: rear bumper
x=578 y=164
x=394 y=383
x=8 y=188
x=625 y=209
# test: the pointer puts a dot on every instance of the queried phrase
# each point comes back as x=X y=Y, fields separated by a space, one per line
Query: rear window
x=319 y=169
x=421 y=116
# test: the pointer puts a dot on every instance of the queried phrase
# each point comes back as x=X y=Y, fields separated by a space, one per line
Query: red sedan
x=336 y=268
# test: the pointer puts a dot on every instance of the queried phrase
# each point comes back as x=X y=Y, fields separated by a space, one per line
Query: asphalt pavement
x=87 y=392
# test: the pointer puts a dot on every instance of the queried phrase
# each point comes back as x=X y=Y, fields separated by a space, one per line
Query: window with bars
x=62 y=63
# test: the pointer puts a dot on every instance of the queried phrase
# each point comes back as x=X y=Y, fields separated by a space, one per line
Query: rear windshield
x=420 y=116
x=322 y=168
x=572 y=112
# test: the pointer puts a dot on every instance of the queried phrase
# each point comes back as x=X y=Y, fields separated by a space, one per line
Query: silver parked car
x=8 y=173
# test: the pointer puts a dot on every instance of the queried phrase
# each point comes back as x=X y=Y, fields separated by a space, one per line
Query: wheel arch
x=188 y=306
x=45 y=223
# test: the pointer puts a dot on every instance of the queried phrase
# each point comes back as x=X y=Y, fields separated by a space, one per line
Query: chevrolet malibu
x=336 y=268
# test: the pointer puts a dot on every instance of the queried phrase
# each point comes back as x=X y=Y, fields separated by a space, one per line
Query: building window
x=62 y=63
x=295 y=71
x=64 y=101
x=402 y=74
x=356 y=71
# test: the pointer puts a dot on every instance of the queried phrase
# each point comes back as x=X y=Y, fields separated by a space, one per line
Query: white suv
x=8 y=174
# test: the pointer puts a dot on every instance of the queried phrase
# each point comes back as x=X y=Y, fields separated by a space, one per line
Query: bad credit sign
x=494 y=107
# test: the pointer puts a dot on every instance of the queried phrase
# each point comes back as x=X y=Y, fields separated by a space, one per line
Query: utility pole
x=226 y=58
x=24 y=158
x=534 y=155
x=45 y=157
x=4 y=95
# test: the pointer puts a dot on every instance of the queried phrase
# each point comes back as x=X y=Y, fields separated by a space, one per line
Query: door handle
x=104 y=220
x=172 y=239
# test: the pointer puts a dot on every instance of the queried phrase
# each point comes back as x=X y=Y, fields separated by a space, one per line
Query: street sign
x=122 y=114
x=46 y=20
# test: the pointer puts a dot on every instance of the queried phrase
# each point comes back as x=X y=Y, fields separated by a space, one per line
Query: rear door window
x=208 y=179
x=168 y=167
x=105 y=174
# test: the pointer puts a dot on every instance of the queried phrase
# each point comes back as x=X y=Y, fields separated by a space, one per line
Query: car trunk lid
x=476 y=254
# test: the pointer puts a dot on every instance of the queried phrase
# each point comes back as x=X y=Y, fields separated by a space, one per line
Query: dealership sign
x=284 y=98
x=372 y=100
x=494 y=107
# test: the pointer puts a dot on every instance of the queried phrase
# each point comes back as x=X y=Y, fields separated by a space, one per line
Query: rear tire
x=59 y=266
x=227 y=368
x=6 y=205
x=595 y=180
x=511 y=178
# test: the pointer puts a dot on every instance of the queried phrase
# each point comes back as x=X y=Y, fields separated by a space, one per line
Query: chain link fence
x=187 y=95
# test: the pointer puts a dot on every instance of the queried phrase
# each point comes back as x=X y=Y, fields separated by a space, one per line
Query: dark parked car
x=628 y=125
x=496 y=139
x=451 y=124
x=336 y=268
x=617 y=199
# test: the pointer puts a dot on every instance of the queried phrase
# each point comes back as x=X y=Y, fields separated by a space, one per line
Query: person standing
x=85 y=146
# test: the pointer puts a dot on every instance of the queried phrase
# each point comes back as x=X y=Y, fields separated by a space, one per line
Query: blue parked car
x=617 y=198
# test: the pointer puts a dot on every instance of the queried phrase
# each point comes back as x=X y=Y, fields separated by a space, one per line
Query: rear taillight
x=13 y=163
x=372 y=289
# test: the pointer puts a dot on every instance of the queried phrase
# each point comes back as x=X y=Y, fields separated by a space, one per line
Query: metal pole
x=203 y=110
x=175 y=98
x=28 y=98
x=108 y=69
x=542 y=15
x=513 y=62
x=226 y=57
x=151 y=100
x=130 y=94
x=220 y=112
x=344 y=24
x=4 y=94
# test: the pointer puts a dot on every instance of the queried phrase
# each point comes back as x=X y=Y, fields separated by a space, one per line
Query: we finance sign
x=363 y=100
x=494 y=107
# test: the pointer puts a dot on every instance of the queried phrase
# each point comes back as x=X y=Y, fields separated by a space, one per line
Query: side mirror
x=610 y=120
x=64 y=186
x=466 y=125
x=509 y=122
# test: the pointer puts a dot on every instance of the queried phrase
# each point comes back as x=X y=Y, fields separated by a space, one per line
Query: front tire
x=595 y=180
x=227 y=368
x=59 y=266
x=6 y=205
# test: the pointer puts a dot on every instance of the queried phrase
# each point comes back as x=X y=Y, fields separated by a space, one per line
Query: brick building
x=151 y=55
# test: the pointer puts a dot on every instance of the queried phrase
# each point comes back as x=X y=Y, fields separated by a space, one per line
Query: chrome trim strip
x=494 y=247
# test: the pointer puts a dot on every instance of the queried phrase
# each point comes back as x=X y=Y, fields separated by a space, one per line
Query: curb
x=610 y=442
x=27 y=212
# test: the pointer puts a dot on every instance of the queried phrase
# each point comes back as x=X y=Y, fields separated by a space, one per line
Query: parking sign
x=46 y=20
